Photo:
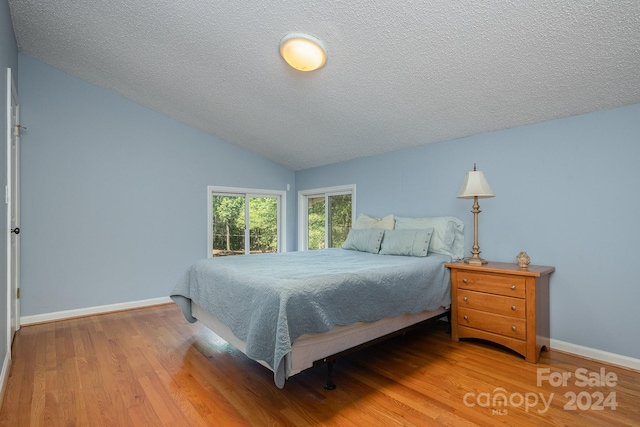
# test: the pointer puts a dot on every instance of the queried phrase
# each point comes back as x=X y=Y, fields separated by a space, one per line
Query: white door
x=13 y=208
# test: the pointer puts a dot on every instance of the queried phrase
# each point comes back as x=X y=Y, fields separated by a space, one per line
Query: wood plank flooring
x=149 y=367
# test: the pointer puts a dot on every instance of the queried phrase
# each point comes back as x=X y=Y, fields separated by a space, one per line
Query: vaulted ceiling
x=398 y=74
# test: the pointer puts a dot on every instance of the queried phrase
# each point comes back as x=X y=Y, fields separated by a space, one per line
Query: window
x=325 y=216
x=245 y=221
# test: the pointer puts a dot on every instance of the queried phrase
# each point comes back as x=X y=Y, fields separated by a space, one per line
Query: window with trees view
x=325 y=217
x=245 y=221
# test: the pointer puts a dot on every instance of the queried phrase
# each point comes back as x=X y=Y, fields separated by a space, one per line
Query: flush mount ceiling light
x=303 y=52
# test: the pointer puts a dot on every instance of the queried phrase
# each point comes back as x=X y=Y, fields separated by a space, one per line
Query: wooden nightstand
x=503 y=303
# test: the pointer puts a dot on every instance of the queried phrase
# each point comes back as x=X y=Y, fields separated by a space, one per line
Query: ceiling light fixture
x=303 y=52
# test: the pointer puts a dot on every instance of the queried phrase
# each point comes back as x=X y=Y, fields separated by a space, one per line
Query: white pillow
x=447 y=238
x=406 y=242
x=364 y=240
x=365 y=221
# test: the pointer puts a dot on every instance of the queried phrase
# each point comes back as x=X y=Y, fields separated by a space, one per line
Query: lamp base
x=475 y=261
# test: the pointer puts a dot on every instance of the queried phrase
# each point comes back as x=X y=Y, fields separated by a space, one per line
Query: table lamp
x=475 y=187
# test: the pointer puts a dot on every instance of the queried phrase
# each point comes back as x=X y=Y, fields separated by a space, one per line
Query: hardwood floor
x=151 y=367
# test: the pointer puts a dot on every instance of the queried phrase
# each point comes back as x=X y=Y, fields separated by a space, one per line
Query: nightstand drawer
x=501 y=284
x=507 y=306
x=496 y=323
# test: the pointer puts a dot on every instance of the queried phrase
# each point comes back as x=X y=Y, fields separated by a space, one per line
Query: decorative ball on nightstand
x=523 y=260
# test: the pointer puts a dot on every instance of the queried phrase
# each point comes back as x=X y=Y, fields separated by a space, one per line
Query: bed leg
x=448 y=330
x=330 y=385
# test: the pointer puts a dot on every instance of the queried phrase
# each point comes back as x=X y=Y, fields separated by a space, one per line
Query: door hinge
x=16 y=130
x=18 y=293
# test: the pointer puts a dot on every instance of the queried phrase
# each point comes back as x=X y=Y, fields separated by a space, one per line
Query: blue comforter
x=269 y=300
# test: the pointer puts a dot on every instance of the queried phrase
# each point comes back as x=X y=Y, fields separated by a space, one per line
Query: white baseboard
x=68 y=314
x=594 y=354
x=4 y=375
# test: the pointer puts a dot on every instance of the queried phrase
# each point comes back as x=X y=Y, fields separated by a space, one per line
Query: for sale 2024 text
x=582 y=377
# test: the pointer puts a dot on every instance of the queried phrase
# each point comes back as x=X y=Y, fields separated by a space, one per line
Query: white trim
x=595 y=354
x=11 y=197
x=339 y=189
x=100 y=309
x=4 y=376
x=7 y=189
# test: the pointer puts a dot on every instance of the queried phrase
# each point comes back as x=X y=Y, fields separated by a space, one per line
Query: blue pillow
x=364 y=240
x=406 y=242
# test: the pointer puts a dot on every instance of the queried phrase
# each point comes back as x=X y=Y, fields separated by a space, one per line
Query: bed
x=290 y=311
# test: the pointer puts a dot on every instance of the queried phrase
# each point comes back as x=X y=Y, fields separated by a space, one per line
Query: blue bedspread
x=269 y=300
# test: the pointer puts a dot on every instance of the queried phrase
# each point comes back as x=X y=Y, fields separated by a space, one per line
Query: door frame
x=12 y=199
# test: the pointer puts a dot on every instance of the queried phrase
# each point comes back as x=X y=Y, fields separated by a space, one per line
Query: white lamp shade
x=303 y=52
x=475 y=185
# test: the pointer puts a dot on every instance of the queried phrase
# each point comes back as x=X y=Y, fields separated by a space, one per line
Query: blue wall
x=8 y=59
x=114 y=200
x=566 y=192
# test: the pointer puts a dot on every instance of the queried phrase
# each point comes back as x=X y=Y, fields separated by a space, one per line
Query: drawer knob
x=464 y=299
x=464 y=280
x=513 y=328
x=465 y=318
x=513 y=286
x=513 y=307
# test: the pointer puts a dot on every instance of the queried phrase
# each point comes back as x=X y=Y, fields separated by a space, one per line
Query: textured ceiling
x=399 y=74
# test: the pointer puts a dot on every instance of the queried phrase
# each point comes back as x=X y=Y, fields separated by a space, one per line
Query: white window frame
x=281 y=197
x=303 y=209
